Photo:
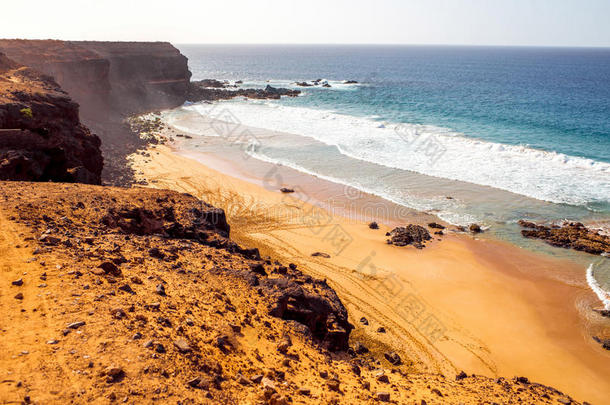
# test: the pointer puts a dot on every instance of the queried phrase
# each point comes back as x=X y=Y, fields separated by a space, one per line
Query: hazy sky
x=479 y=22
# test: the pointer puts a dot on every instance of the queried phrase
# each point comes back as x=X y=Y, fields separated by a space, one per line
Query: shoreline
x=358 y=145
x=500 y=315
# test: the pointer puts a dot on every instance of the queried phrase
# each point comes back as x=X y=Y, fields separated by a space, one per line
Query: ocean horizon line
x=389 y=44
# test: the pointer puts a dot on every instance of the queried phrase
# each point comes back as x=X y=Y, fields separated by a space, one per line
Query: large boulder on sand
x=409 y=235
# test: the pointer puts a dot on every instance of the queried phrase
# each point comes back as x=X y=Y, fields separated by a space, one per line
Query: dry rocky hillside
x=139 y=296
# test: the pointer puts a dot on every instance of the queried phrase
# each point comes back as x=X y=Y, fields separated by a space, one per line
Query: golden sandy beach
x=481 y=306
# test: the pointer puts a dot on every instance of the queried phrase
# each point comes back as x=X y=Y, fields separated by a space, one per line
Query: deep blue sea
x=555 y=99
x=508 y=132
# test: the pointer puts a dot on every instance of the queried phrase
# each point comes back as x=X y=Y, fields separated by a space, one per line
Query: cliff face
x=143 y=76
x=110 y=80
x=109 y=77
x=41 y=137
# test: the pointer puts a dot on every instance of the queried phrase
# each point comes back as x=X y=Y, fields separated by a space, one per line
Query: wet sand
x=461 y=303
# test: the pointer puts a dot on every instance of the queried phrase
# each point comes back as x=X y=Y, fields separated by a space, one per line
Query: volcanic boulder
x=313 y=304
x=409 y=235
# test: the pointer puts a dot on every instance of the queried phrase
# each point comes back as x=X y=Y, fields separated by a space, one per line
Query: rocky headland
x=110 y=81
x=109 y=78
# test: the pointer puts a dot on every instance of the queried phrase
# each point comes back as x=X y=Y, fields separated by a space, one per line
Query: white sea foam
x=419 y=204
x=291 y=84
x=603 y=295
x=547 y=176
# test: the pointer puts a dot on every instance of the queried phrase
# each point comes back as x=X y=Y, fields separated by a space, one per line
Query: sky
x=452 y=22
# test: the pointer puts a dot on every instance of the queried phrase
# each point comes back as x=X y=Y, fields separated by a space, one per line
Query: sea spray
x=603 y=296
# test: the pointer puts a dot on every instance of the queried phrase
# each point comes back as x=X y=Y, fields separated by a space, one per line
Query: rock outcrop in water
x=213 y=90
x=41 y=137
x=573 y=235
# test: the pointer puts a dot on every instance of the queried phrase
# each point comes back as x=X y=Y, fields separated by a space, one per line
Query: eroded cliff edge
x=110 y=81
x=41 y=137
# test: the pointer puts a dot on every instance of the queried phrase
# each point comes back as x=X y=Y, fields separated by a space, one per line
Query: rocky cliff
x=114 y=77
x=143 y=76
x=41 y=137
x=110 y=80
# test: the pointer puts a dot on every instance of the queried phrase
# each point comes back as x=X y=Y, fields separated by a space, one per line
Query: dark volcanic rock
x=113 y=373
x=359 y=348
x=603 y=312
x=201 y=91
x=410 y=235
x=76 y=325
x=321 y=254
x=213 y=83
x=160 y=289
x=110 y=268
x=475 y=228
x=206 y=225
x=569 y=235
x=313 y=304
x=41 y=137
x=393 y=358
x=164 y=220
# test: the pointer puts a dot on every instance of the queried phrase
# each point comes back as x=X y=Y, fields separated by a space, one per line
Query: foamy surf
x=603 y=295
x=546 y=176
x=419 y=204
x=335 y=85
